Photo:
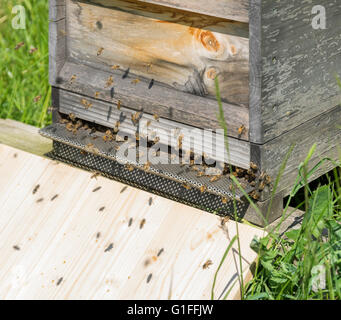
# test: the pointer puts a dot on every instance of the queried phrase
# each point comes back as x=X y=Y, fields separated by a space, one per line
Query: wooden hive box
x=277 y=74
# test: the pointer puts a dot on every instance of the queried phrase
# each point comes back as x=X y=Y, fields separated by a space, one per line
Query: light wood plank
x=229 y=9
x=57 y=239
x=183 y=50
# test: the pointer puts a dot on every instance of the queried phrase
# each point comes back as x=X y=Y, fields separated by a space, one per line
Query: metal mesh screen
x=164 y=180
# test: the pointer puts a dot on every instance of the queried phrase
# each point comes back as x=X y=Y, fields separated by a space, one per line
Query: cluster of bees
x=258 y=180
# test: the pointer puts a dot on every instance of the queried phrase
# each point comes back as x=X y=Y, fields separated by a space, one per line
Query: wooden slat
x=23 y=137
x=293 y=65
x=166 y=102
x=228 y=9
x=61 y=256
x=182 y=50
x=107 y=115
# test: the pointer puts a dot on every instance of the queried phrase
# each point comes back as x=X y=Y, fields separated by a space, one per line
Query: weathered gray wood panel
x=324 y=130
x=167 y=102
x=180 y=49
x=107 y=114
x=228 y=9
x=57 y=38
x=293 y=72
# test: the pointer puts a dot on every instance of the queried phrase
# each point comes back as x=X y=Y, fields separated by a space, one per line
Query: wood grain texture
x=168 y=103
x=63 y=245
x=24 y=137
x=182 y=50
x=298 y=65
x=57 y=38
x=228 y=9
x=107 y=115
x=324 y=130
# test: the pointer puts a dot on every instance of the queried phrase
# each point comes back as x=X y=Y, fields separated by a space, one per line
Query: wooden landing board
x=59 y=247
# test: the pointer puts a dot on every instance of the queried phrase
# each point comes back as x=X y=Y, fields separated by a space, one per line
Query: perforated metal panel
x=163 y=179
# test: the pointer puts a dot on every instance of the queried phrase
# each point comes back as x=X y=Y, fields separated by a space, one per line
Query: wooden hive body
x=276 y=72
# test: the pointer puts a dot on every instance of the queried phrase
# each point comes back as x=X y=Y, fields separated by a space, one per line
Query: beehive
x=276 y=74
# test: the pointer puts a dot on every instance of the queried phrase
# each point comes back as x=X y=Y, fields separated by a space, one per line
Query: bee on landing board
x=207 y=264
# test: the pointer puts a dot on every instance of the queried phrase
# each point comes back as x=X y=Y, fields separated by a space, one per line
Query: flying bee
x=19 y=45
x=241 y=130
x=109 y=82
x=73 y=78
x=207 y=264
x=118 y=104
x=135 y=81
x=37 y=99
x=100 y=51
x=32 y=50
x=253 y=166
x=50 y=109
x=142 y=223
x=115 y=67
x=203 y=189
x=156 y=117
x=72 y=116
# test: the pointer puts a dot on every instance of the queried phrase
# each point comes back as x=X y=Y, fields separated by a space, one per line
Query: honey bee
x=148 y=123
x=150 y=201
x=32 y=50
x=37 y=99
x=142 y=223
x=50 y=109
x=115 y=67
x=83 y=152
x=135 y=117
x=203 y=189
x=253 y=166
x=124 y=189
x=186 y=186
x=180 y=138
x=100 y=51
x=73 y=78
x=118 y=104
x=241 y=130
x=215 y=178
x=95 y=175
x=261 y=186
x=97 y=93
x=86 y=103
x=156 y=140
x=146 y=166
x=267 y=180
x=69 y=126
x=224 y=200
x=207 y=264
x=109 y=82
x=36 y=189
x=200 y=173
x=72 y=116
x=255 y=195
x=129 y=167
x=156 y=117
x=149 y=66
x=224 y=220
x=19 y=45
x=135 y=81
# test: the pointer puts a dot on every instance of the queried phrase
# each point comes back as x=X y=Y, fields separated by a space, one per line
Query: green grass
x=24 y=76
